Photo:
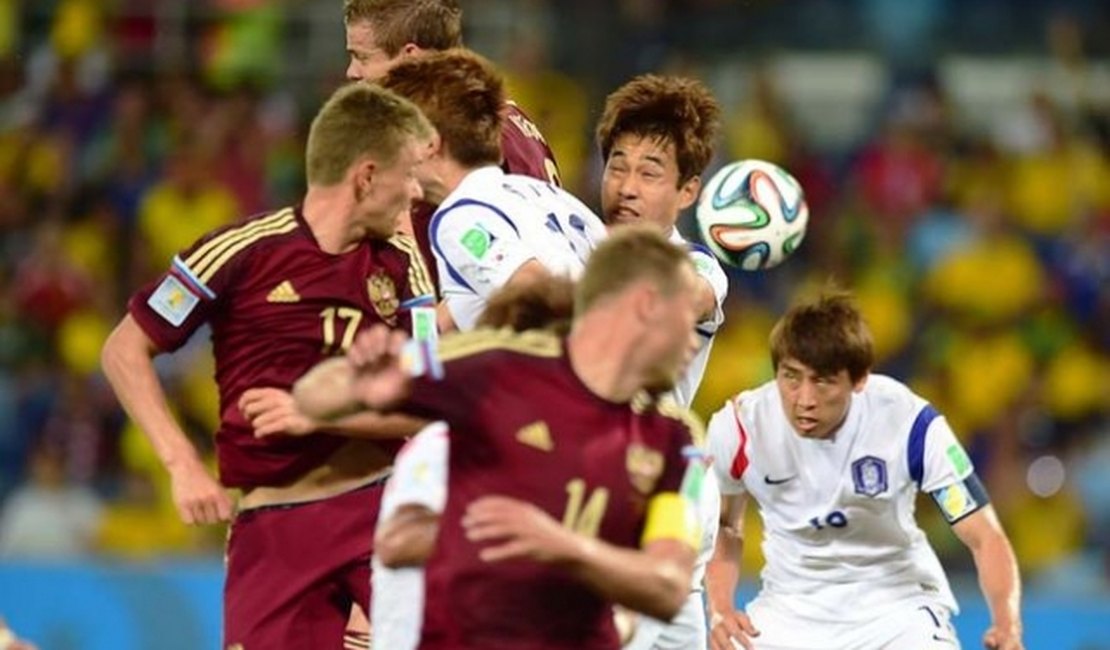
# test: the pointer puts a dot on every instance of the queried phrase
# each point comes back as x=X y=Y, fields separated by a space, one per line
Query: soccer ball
x=752 y=214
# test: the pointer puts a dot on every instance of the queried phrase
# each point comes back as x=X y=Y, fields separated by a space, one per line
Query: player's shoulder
x=669 y=413
x=535 y=344
x=515 y=123
x=218 y=247
x=890 y=400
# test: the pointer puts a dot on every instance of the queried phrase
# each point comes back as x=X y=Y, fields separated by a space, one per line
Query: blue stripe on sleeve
x=437 y=219
x=916 y=451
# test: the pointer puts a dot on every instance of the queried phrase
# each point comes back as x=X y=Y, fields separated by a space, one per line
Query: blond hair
x=360 y=120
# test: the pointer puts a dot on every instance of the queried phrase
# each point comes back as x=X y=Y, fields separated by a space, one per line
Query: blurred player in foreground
x=834 y=458
x=656 y=137
x=561 y=461
x=281 y=292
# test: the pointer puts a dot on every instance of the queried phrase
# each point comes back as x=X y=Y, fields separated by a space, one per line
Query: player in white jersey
x=834 y=458
x=656 y=136
x=494 y=226
x=419 y=482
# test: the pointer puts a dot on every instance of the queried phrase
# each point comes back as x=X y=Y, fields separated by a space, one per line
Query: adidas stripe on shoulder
x=203 y=262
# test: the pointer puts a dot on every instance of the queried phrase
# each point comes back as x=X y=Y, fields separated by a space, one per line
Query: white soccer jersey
x=709 y=268
x=840 y=540
x=495 y=222
x=397 y=598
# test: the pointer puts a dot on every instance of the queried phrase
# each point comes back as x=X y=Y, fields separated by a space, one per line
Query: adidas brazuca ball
x=752 y=214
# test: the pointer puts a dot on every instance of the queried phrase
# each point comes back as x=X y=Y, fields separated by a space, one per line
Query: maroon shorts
x=293 y=571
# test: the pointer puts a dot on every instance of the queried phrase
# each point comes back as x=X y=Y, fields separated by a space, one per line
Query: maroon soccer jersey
x=524 y=151
x=277 y=305
x=524 y=425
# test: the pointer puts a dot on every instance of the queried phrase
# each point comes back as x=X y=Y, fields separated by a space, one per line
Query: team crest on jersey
x=869 y=476
x=644 y=466
x=383 y=295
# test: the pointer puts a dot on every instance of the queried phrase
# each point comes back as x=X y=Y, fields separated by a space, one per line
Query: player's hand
x=1000 y=637
x=731 y=630
x=380 y=381
x=524 y=530
x=198 y=497
x=272 y=411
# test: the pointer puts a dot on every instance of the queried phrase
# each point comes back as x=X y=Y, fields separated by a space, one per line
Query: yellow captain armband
x=670 y=516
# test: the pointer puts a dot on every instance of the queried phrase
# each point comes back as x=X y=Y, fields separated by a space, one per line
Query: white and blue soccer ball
x=752 y=214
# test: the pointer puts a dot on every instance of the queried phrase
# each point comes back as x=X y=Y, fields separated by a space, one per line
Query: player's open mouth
x=625 y=214
x=805 y=423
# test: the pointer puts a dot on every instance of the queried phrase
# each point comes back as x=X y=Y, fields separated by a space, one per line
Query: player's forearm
x=1000 y=580
x=325 y=392
x=371 y=425
x=722 y=574
x=656 y=586
x=126 y=361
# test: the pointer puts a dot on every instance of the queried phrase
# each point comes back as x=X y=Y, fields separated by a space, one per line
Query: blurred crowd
x=980 y=256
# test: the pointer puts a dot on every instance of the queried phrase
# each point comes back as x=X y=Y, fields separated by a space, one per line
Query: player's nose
x=353 y=73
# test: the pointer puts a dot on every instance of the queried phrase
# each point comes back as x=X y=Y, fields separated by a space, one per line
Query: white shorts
x=396 y=607
x=915 y=626
x=686 y=631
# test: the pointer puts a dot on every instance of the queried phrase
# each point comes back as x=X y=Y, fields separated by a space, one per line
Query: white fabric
x=493 y=223
x=397 y=598
x=838 y=553
x=709 y=268
x=907 y=626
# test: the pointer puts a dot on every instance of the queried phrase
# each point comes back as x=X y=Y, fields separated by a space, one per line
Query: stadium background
x=955 y=153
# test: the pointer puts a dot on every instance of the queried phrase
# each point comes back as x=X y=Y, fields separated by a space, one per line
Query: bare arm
x=273 y=411
x=324 y=392
x=722 y=577
x=127 y=362
x=407 y=537
x=998 y=576
x=654 y=580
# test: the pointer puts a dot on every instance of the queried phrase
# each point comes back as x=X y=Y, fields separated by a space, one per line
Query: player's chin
x=660 y=385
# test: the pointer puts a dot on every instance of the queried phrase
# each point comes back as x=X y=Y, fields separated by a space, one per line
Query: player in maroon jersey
x=563 y=487
x=382 y=32
x=281 y=292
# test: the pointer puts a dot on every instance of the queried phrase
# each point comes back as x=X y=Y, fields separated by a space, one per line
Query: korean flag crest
x=869 y=476
x=383 y=295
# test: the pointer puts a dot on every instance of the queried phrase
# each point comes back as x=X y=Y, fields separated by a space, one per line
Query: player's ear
x=858 y=386
x=364 y=173
x=410 y=49
x=647 y=302
x=688 y=192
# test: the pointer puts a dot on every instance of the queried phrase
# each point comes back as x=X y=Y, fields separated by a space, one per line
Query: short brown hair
x=678 y=110
x=428 y=24
x=828 y=334
x=544 y=303
x=628 y=255
x=463 y=96
x=360 y=120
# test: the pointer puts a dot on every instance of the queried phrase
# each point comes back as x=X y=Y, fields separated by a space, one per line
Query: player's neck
x=601 y=358
x=325 y=211
x=454 y=173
